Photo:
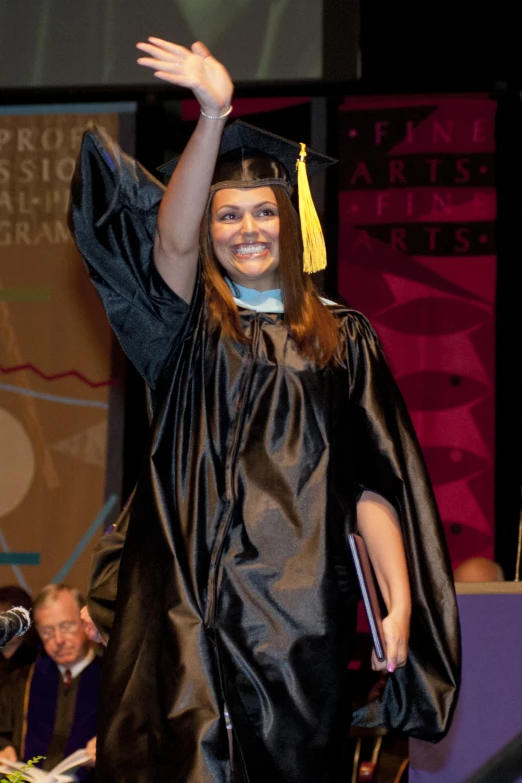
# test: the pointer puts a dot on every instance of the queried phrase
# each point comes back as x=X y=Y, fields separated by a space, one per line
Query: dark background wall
x=450 y=45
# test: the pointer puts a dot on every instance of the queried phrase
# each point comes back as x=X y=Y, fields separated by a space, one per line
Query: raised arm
x=184 y=203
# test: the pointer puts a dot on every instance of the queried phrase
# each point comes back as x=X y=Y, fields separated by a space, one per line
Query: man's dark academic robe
x=24 y=656
x=41 y=716
x=235 y=585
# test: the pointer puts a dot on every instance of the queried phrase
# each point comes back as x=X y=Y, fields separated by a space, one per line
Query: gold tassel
x=314 y=248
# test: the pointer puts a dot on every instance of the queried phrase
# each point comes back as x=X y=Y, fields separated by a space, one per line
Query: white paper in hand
x=61 y=773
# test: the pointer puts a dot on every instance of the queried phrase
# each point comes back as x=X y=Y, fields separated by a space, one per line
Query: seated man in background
x=59 y=690
x=22 y=650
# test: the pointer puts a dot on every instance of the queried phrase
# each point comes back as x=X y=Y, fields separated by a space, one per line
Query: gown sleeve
x=105 y=567
x=418 y=699
x=112 y=217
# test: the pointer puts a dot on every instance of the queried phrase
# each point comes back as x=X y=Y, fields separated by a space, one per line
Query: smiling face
x=245 y=235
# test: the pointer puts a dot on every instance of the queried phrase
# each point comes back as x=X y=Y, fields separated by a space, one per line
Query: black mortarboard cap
x=242 y=136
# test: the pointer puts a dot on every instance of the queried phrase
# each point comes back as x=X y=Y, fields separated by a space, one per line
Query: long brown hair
x=312 y=325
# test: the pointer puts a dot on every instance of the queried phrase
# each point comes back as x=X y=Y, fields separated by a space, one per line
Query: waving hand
x=194 y=68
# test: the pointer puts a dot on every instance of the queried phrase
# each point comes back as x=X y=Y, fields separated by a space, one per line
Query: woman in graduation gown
x=276 y=429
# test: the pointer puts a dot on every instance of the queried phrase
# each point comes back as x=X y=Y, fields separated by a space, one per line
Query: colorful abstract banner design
x=55 y=358
x=417 y=256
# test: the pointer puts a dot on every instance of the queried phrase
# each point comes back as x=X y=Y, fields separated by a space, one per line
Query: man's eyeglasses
x=48 y=631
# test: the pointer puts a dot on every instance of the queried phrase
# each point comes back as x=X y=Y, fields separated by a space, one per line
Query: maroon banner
x=417 y=256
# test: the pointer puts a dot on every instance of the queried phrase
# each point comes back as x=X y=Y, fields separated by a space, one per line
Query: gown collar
x=261 y=301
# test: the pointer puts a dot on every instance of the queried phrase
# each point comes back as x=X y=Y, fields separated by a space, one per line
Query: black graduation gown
x=235 y=585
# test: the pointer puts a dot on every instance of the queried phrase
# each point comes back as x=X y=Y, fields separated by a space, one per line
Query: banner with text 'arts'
x=417 y=256
x=55 y=356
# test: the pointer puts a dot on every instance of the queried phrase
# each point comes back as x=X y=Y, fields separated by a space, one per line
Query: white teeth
x=248 y=250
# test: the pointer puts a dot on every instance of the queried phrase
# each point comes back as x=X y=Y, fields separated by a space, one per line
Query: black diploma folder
x=368 y=589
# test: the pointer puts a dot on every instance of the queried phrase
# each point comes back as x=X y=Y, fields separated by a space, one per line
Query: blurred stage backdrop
x=56 y=379
x=416 y=254
x=277 y=40
x=417 y=206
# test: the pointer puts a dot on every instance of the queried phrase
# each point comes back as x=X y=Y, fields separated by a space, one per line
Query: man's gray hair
x=50 y=593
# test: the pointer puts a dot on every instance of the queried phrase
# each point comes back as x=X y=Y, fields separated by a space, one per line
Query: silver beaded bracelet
x=221 y=117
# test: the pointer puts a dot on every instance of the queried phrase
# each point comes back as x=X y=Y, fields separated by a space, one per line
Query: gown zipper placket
x=210 y=616
x=244 y=396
